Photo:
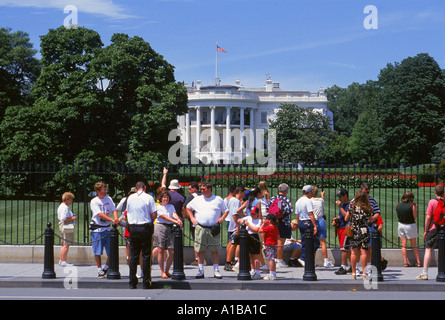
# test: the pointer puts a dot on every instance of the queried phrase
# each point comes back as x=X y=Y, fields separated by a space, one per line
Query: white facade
x=229 y=121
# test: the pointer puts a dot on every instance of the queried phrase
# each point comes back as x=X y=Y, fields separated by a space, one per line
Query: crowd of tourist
x=148 y=220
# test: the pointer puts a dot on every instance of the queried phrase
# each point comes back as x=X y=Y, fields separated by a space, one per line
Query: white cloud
x=98 y=7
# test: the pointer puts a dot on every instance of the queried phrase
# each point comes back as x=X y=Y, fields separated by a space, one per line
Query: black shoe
x=341 y=271
x=384 y=264
x=228 y=266
x=294 y=263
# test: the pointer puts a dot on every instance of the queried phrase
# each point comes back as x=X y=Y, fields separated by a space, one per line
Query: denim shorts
x=321 y=228
x=100 y=240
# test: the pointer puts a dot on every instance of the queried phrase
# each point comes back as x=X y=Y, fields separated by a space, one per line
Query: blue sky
x=303 y=44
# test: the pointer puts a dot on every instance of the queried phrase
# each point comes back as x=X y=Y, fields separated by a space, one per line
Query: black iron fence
x=31 y=193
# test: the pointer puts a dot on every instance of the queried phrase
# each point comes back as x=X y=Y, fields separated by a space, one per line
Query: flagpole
x=216 y=65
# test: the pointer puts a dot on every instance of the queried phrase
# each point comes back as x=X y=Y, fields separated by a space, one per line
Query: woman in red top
x=271 y=234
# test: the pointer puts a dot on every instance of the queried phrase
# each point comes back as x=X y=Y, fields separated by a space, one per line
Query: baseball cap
x=342 y=192
x=307 y=188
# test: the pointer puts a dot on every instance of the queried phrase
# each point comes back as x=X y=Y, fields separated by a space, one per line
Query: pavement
x=394 y=278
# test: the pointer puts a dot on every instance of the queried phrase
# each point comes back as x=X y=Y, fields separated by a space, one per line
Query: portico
x=222 y=120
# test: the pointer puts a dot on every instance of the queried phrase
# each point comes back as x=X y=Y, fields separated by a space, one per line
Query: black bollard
x=244 y=259
x=376 y=254
x=178 y=257
x=48 y=260
x=309 y=256
x=441 y=256
x=113 y=272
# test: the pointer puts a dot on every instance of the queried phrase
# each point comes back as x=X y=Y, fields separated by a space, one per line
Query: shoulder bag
x=66 y=227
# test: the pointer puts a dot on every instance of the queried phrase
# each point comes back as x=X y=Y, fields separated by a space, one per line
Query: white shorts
x=408 y=231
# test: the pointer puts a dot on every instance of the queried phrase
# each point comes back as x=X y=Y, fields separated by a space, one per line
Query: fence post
x=85 y=199
x=441 y=258
x=178 y=255
x=113 y=272
x=244 y=259
x=309 y=256
x=376 y=254
x=48 y=260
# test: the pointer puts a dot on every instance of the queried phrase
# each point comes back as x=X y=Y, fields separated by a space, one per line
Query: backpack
x=439 y=213
x=275 y=208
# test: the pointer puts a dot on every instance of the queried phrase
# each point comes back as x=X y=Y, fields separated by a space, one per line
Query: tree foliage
x=301 y=133
x=396 y=118
x=116 y=102
x=18 y=68
x=410 y=108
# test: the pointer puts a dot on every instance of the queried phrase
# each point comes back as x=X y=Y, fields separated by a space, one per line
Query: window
x=264 y=117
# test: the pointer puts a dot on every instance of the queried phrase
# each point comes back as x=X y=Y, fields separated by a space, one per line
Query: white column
x=228 y=137
x=187 y=128
x=251 y=131
x=212 y=130
x=198 y=130
x=242 y=145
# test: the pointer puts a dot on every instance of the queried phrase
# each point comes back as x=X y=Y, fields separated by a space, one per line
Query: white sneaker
x=217 y=274
x=256 y=276
x=200 y=274
x=301 y=261
x=65 y=264
x=328 y=264
x=281 y=264
x=270 y=277
x=236 y=267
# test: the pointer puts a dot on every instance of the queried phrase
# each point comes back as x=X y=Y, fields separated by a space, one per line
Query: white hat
x=174 y=184
x=307 y=188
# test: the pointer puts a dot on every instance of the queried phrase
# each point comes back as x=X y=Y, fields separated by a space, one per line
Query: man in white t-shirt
x=207 y=211
x=101 y=207
x=141 y=212
x=304 y=211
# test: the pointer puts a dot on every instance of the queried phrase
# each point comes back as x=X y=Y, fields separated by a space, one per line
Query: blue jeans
x=303 y=226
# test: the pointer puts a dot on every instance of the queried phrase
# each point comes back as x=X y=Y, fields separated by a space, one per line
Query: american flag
x=218 y=48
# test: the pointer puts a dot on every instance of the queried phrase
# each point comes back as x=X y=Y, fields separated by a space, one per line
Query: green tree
x=32 y=133
x=410 y=109
x=301 y=133
x=111 y=103
x=364 y=144
x=18 y=68
x=336 y=150
x=346 y=104
x=142 y=98
x=439 y=149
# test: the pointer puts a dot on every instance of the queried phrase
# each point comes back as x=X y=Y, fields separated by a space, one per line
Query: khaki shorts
x=163 y=236
x=66 y=238
x=204 y=240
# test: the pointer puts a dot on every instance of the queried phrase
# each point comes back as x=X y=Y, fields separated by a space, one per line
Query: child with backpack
x=271 y=234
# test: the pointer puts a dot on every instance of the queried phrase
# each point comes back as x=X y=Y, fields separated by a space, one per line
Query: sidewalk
x=395 y=278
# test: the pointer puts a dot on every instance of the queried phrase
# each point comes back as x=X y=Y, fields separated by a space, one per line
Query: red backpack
x=439 y=213
x=275 y=208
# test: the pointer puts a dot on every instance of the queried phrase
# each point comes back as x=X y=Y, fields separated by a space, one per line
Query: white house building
x=225 y=123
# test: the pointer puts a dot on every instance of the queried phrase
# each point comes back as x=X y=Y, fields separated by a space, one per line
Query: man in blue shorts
x=101 y=207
